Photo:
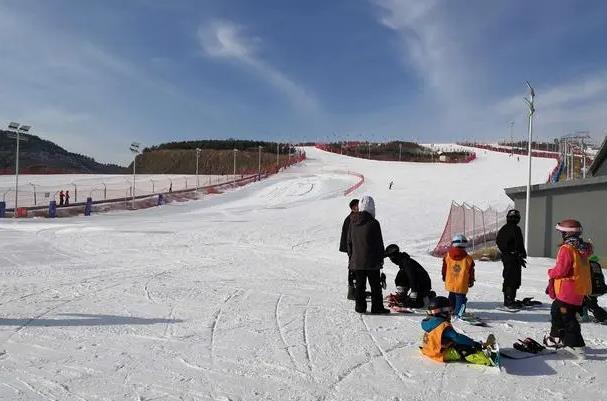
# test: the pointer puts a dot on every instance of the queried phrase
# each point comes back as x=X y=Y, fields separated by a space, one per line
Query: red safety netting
x=480 y=226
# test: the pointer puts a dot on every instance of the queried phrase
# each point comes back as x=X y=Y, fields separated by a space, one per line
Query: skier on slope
x=458 y=273
x=569 y=282
x=366 y=250
x=411 y=276
x=343 y=246
x=442 y=343
x=512 y=247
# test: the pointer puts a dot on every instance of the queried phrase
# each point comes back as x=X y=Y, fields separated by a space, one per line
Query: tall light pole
x=197 y=158
x=17 y=129
x=528 y=200
x=511 y=139
x=135 y=149
x=235 y=150
x=259 y=161
x=369 y=151
x=277 y=154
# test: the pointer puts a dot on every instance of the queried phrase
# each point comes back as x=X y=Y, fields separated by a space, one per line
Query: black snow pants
x=377 y=301
x=512 y=279
x=565 y=324
x=591 y=303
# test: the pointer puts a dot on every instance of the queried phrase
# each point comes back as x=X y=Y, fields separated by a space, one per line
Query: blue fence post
x=88 y=206
x=52 y=209
x=160 y=200
x=2 y=209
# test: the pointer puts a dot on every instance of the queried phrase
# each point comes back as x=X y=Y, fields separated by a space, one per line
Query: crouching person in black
x=411 y=277
x=366 y=250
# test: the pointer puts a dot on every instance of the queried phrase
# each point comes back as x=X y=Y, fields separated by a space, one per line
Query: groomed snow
x=241 y=296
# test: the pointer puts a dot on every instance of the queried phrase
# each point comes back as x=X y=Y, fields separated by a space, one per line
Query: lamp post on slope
x=531 y=107
x=135 y=149
x=16 y=130
x=197 y=158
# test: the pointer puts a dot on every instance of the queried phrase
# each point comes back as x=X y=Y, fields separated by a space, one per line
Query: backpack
x=598 y=279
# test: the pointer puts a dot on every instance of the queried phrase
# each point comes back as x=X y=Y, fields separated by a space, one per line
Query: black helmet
x=439 y=306
x=513 y=216
x=391 y=250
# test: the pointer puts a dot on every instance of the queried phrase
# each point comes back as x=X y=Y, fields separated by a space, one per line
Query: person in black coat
x=512 y=247
x=343 y=246
x=411 y=277
x=366 y=250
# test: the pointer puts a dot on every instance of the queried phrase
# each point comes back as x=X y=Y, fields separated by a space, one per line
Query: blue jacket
x=431 y=323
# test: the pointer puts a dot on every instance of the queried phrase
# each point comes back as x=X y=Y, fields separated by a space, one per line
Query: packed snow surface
x=242 y=296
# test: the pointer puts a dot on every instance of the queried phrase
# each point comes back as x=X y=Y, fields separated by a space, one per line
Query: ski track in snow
x=241 y=296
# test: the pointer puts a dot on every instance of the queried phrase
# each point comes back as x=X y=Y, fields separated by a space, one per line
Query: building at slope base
x=584 y=200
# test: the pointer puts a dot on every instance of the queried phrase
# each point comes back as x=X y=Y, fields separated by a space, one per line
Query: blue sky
x=96 y=75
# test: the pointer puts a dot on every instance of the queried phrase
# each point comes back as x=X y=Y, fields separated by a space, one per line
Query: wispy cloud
x=229 y=41
x=458 y=80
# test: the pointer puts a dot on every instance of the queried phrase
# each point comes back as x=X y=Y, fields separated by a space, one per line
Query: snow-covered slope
x=241 y=296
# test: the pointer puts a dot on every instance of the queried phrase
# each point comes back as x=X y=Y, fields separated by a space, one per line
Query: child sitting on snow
x=458 y=273
x=442 y=343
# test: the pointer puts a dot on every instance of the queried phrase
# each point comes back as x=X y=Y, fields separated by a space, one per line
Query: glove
x=471 y=284
x=413 y=295
x=382 y=281
x=477 y=346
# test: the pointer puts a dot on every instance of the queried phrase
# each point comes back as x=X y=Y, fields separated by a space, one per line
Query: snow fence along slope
x=241 y=296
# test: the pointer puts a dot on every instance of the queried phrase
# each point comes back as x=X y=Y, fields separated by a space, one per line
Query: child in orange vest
x=458 y=273
x=442 y=343
x=570 y=282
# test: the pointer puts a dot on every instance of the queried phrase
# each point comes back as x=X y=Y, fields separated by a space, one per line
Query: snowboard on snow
x=472 y=319
x=525 y=304
x=492 y=349
x=528 y=348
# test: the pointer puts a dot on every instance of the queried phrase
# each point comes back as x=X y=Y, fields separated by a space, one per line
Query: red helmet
x=569 y=226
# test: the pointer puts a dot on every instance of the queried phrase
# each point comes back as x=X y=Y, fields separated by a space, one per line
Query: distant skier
x=569 y=282
x=512 y=247
x=343 y=246
x=442 y=343
x=391 y=183
x=61 y=198
x=366 y=250
x=458 y=273
x=411 y=277
x=67 y=198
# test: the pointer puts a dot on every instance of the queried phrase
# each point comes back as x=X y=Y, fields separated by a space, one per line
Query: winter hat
x=569 y=226
x=367 y=204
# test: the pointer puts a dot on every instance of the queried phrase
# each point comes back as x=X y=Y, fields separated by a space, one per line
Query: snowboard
x=492 y=349
x=511 y=353
x=400 y=309
x=473 y=320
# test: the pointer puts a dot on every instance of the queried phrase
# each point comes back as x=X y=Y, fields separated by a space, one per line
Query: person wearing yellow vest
x=569 y=283
x=442 y=343
x=458 y=273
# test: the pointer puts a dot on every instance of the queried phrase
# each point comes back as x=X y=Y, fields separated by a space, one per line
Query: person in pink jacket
x=569 y=283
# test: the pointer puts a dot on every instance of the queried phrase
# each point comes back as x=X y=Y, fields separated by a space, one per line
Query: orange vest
x=581 y=274
x=432 y=342
x=457 y=276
